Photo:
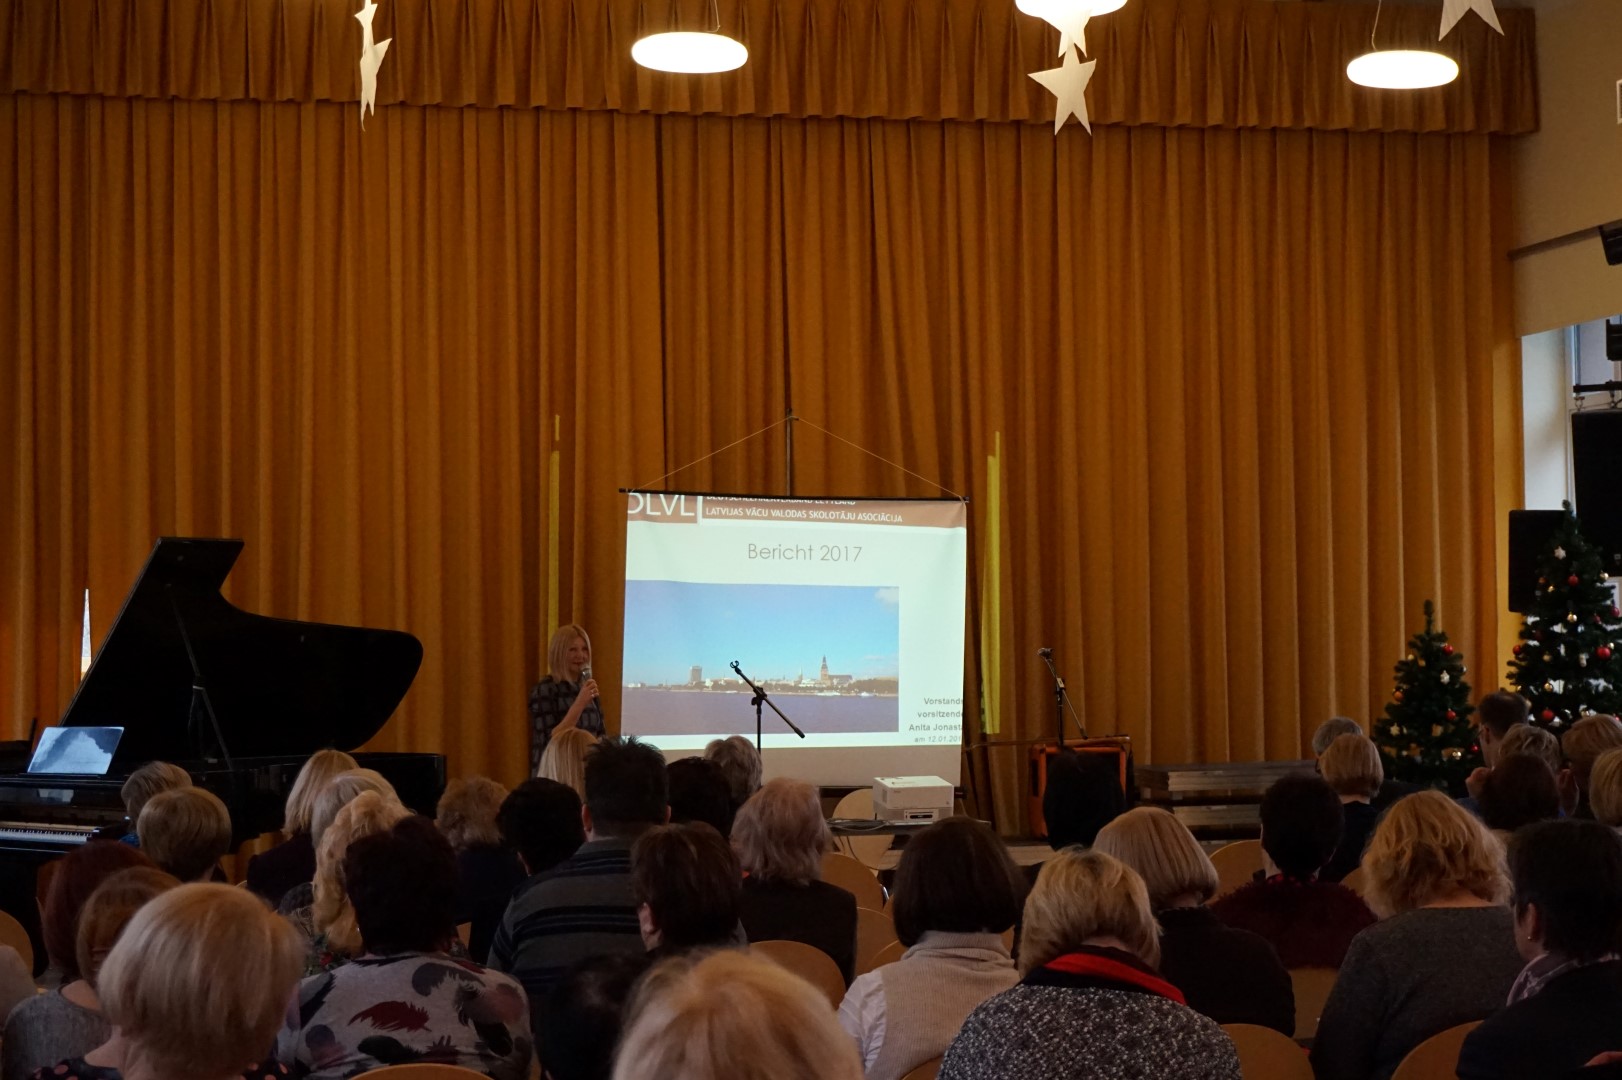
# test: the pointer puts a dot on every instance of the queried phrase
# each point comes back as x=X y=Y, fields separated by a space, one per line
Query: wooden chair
x=927 y=1071
x=867 y=850
x=887 y=955
x=1265 y=1054
x=1236 y=864
x=1312 y=986
x=463 y=932
x=1354 y=881
x=1437 y=1058
x=425 y=1071
x=13 y=934
x=854 y=878
x=813 y=965
x=874 y=933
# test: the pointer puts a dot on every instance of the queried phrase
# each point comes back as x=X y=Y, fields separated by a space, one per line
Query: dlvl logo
x=657 y=506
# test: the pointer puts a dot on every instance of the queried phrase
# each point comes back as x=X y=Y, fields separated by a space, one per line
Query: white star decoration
x=371 y=58
x=1454 y=10
x=1068 y=83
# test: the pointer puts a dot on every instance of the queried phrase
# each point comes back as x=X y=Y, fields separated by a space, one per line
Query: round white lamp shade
x=1058 y=9
x=1402 y=69
x=690 y=52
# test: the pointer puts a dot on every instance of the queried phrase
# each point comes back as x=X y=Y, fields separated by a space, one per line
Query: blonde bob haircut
x=149 y=780
x=467 y=812
x=186 y=831
x=557 y=650
x=1163 y=853
x=1605 y=789
x=1529 y=740
x=1428 y=848
x=1351 y=765
x=316 y=774
x=740 y=763
x=1080 y=895
x=564 y=758
x=339 y=792
x=780 y=833
x=1587 y=739
x=367 y=814
x=198 y=983
x=733 y=1015
x=110 y=908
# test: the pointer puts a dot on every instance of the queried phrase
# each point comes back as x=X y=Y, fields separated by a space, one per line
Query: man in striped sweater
x=585 y=906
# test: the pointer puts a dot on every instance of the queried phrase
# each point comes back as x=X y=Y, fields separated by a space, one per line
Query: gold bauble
x=1547 y=658
x=1436 y=731
x=1548 y=687
x=1453 y=753
x=1571 y=616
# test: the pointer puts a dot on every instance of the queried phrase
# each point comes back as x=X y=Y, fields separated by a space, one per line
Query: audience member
x=740 y=762
x=956 y=892
x=1332 y=729
x=1533 y=741
x=699 y=792
x=1519 y=790
x=140 y=786
x=780 y=836
x=405 y=999
x=1566 y=1004
x=731 y=1015
x=541 y=821
x=195 y=988
x=1351 y=766
x=687 y=884
x=1444 y=953
x=1082 y=795
x=579 y=1024
x=1308 y=921
x=45 y=1028
x=564 y=758
x=486 y=871
x=1232 y=976
x=333 y=797
x=329 y=922
x=186 y=831
x=1582 y=745
x=1605 y=789
x=1496 y=715
x=292 y=862
x=1090 y=1003
x=585 y=906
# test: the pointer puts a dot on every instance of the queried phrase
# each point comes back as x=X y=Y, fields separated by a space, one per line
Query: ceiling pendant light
x=1057 y=11
x=691 y=52
x=1400 y=69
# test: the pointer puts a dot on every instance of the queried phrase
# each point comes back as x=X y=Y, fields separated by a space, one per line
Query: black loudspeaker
x=1610 y=238
x=1596 y=467
x=1529 y=534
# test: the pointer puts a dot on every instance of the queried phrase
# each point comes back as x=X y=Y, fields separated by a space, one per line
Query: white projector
x=911 y=798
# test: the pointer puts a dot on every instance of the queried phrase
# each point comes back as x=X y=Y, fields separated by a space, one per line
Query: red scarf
x=1092 y=965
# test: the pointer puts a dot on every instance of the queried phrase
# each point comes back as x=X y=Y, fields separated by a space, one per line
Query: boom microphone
x=1046 y=654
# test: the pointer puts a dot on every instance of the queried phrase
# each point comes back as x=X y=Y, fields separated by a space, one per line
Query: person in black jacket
x=1232 y=976
x=1566 y=1007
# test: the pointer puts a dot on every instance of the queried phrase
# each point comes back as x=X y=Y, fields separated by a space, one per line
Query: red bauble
x=1574 y=581
x=1603 y=652
x=1547 y=714
x=1397 y=697
x=1518 y=649
x=1447 y=650
x=1616 y=613
x=1451 y=715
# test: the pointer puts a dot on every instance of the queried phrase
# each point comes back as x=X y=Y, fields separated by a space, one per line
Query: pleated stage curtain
x=1241 y=397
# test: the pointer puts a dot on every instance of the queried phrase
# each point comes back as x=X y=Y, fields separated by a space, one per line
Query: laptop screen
x=78 y=751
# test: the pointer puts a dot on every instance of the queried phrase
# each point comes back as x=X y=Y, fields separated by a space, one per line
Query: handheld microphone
x=585 y=674
x=1046 y=654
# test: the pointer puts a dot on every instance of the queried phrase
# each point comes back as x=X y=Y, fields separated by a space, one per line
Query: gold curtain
x=1255 y=391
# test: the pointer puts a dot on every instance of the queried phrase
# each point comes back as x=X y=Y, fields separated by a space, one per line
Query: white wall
x=1545 y=401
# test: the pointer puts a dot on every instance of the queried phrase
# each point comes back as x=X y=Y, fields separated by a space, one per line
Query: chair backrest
x=1437 y=1058
x=424 y=1071
x=813 y=965
x=854 y=878
x=1312 y=986
x=1265 y=1054
x=13 y=934
x=887 y=955
x=874 y=933
x=464 y=931
x=1236 y=864
x=1354 y=881
x=927 y=1071
x=867 y=850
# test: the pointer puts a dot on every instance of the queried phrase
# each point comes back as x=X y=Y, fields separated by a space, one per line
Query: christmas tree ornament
x=1603 y=652
x=1453 y=753
x=1560 y=552
x=1547 y=657
x=1574 y=581
x=1518 y=649
x=1582 y=661
x=1436 y=731
x=1447 y=650
x=1547 y=715
x=1397 y=697
x=1410 y=658
x=1451 y=715
x=1571 y=616
x=1548 y=688
x=1549 y=589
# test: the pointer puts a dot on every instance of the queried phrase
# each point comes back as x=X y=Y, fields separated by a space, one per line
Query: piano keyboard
x=32 y=833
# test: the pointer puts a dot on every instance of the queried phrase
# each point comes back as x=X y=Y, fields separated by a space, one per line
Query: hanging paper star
x=1454 y=10
x=371 y=58
x=1068 y=83
x=1070 y=20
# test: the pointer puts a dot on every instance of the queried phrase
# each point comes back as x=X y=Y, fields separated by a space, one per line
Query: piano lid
x=279 y=687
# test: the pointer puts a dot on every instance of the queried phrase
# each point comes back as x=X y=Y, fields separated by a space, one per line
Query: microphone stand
x=760 y=699
x=1061 y=697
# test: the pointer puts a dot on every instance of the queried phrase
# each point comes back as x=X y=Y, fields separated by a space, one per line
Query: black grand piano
x=239 y=700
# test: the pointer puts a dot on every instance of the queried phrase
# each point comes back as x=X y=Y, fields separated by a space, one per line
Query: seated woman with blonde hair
x=731 y=1015
x=564 y=758
x=337 y=793
x=292 y=862
x=1582 y=744
x=1090 y=1003
x=196 y=988
x=780 y=836
x=328 y=923
x=1605 y=789
x=1444 y=951
x=1232 y=976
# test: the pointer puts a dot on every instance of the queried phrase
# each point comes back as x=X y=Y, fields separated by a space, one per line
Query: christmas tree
x=1566 y=662
x=1426 y=737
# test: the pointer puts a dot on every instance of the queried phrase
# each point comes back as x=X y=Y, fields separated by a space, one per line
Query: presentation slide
x=849 y=612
